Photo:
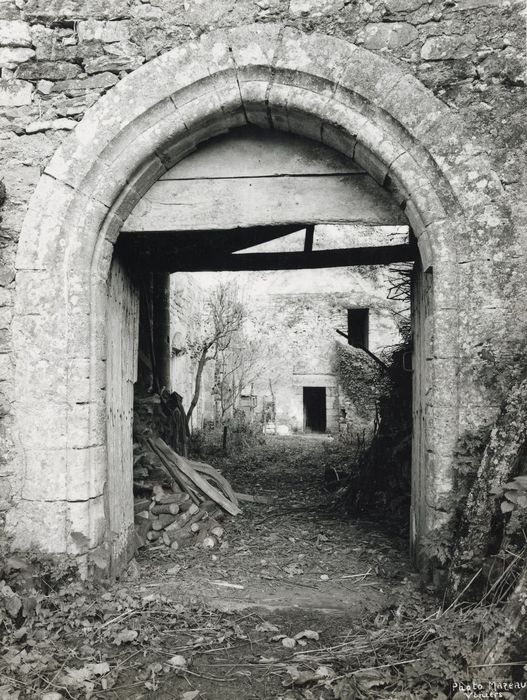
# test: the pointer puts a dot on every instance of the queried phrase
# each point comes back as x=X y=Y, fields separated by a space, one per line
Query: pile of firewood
x=180 y=501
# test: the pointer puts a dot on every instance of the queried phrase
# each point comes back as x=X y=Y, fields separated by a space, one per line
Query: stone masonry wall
x=58 y=56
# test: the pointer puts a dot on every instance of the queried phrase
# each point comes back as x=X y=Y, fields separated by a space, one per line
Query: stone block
x=396 y=6
x=105 y=31
x=48 y=70
x=389 y=35
x=15 y=93
x=80 y=86
x=6 y=368
x=87 y=472
x=375 y=152
x=100 y=64
x=78 y=373
x=6 y=314
x=341 y=127
x=13 y=56
x=314 y=8
x=38 y=524
x=367 y=78
x=46 y=10
x=253 y=49
x=86 y=425
x=86 y=520
x=45 y=475
x=14 y=33
x=42 y=425
x=447 y=47
x=51 y=124
x=314 y=61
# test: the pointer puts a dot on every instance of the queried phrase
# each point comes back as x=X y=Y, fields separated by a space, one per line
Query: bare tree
x=213 y=332
x=237 y=367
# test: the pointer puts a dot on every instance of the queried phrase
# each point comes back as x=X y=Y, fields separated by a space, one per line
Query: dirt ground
x=299 y=602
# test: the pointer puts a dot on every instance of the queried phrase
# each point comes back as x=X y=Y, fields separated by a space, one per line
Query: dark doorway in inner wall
x=314 y=409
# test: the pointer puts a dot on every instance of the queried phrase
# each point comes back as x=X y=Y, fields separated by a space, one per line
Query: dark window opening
x=315 y=409
x=359 y=327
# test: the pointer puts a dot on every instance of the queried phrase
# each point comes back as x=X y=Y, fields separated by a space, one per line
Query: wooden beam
x=228 y=203
x=345 y=257
x=308 y=243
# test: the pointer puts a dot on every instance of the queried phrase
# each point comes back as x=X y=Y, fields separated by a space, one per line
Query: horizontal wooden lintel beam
x=345 y=257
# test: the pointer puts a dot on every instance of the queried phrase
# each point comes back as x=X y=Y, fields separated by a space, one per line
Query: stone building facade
x=98 y=99
x=298 y=319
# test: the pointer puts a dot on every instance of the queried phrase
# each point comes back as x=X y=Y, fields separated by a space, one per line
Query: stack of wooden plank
x=188 y=507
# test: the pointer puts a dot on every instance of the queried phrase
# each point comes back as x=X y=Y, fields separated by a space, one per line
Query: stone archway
x=269 y=75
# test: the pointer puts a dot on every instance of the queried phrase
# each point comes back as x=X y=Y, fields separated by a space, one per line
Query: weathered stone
x=507 y=65
x=14 y=33
x=48 y=70
x=314 y=8
x=55 y=124
x=73 y=88
x=75 y=106
x=15 y=93
x=12 y=56
x=107 y=32
x=77 y=9
x=389 y=35
x=112 y=63
x=45 y=87
x=442 y=48
x=395 y=6
x=8 y=10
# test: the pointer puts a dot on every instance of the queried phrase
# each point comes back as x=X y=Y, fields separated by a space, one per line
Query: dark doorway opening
x=315 y=409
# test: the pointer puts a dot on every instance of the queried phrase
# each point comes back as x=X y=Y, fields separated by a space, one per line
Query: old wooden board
x=122 y=319
x=254 y=152
x=226 y=203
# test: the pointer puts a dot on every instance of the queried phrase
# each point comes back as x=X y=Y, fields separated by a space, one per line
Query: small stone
x=44 y=86
x=107 y=32
x=63 y=124
x=52 y=696
x=112 y=63
x=389 y=35
x=14 y=32
x=314 y=8
x=48 y=124
x=74 y=88
x=35 y=127
x=15 y=93
x=324 y=577
x=394 y=6
x=442 y=48
x=11 y=56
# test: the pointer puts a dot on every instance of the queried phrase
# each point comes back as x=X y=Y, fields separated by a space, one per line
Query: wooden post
x=161 y=328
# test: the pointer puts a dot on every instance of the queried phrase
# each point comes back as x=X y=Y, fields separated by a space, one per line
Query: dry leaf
x=288 y=643
x=189 y=695
x=266 y=627
x=125 y=637
x=308 y=634
x=178 y=661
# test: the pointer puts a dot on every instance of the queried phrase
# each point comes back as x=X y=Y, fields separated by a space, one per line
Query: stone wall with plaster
x=59 y=56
